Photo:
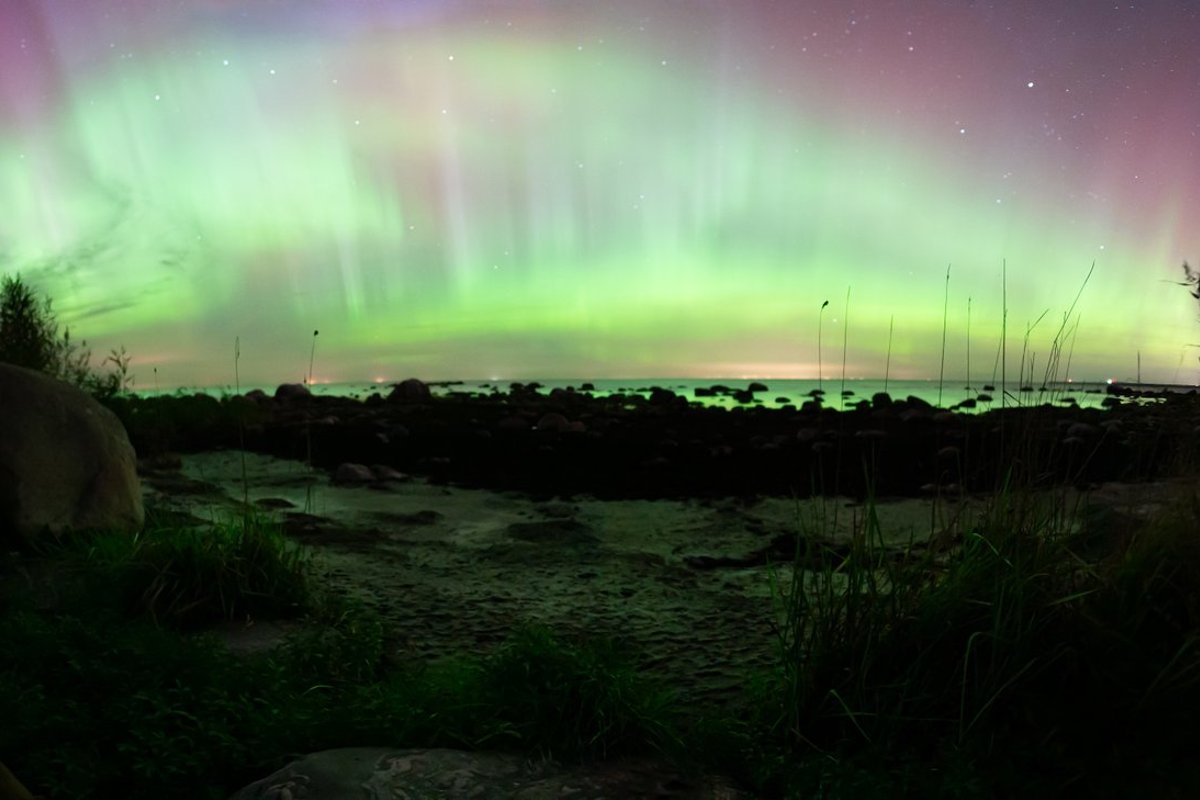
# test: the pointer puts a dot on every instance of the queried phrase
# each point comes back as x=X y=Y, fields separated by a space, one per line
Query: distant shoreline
x=778 y=392
x=666 y=382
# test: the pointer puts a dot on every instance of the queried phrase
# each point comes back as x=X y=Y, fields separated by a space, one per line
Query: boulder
x=916 y=402
x=65 y=460
x=554 y=422
x=378 y=772
x=553 y=531
x=1082 y=430
x=292 y=391
x=663 y=397
x=349 y=474
x=808 y=435
x=383 y=472
x=411 y=390
x=13 y=789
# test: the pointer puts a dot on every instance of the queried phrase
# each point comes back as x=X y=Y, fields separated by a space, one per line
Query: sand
x=453 y=570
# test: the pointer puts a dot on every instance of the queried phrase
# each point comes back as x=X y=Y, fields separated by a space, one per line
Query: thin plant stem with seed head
x=845 y=332
x=237 y=385
x=1002 y=351
x=308 y=429
x=820 y=320
x=887 y=367
x=945 y=311
x=968 y=344
x=311 y=353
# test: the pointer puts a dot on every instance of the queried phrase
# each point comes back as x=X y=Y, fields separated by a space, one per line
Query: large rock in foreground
x=362 y=772
x=65 y=460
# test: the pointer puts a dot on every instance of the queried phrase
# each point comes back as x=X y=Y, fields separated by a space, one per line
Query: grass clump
x=116 y=694
x=1009 y=667
x=101 y=706
x=186 y=577
x=576 y=700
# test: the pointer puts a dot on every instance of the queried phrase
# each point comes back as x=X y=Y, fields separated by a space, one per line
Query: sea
x=779 y=392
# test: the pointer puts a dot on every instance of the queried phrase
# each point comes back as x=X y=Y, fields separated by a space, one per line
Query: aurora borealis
x=602 y=189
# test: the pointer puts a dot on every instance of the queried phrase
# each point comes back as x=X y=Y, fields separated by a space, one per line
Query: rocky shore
x=665 y=445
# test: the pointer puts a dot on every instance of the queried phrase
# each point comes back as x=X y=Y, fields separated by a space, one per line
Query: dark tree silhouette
x=29 y=338
x=28 y=332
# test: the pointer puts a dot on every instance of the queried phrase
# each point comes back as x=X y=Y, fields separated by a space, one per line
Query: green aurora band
x=470 y=205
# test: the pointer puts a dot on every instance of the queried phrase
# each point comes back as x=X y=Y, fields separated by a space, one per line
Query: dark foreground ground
x=990 y=639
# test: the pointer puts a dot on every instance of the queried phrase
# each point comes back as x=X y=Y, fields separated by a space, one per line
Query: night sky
x=602 y=189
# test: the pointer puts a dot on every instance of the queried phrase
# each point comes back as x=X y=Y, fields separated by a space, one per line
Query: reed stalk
x=1003 y=339
x=887 y=367
x=237 y=386
x=945 y=311
x=311 y=353
x=845 y=340
x=820 y=321
x=968 y=344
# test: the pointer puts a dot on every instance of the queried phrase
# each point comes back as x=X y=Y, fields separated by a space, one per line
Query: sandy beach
x=686 y=583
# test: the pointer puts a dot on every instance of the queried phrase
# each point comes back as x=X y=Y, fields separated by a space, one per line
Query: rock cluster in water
x=663 y=444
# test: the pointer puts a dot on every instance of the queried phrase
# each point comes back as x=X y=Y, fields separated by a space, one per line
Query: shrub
x=28 y=333
x=29 y=338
